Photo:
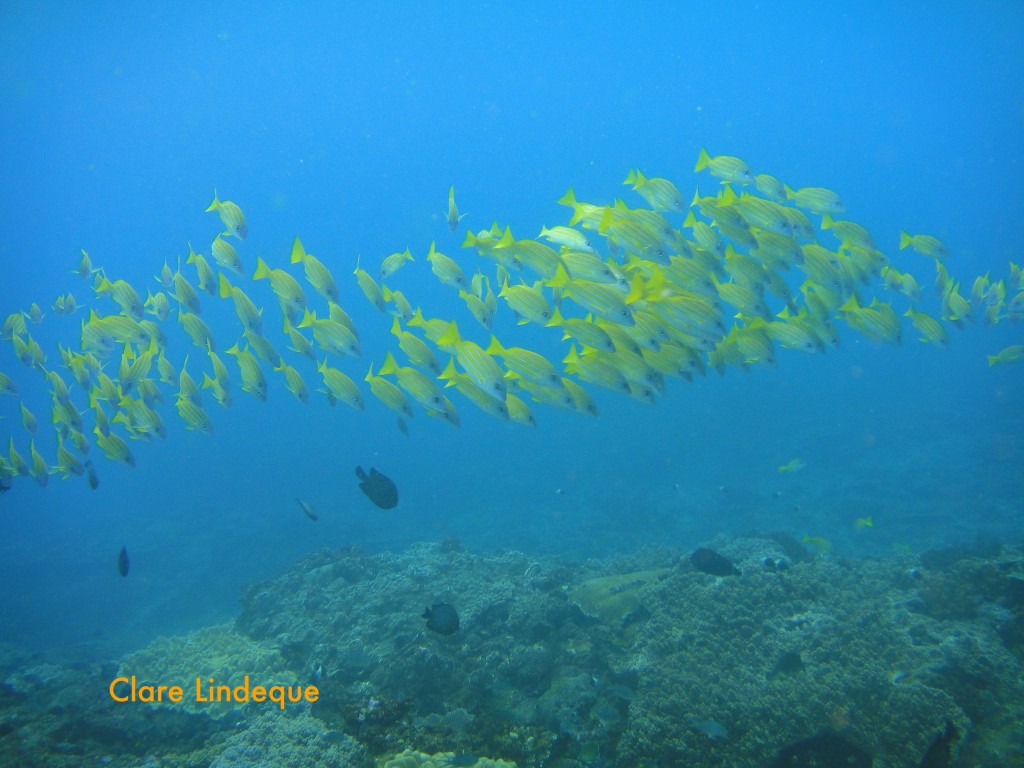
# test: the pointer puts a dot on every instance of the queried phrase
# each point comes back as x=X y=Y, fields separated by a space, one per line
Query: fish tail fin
x=215 y=205
x=494 y=348
x=298 y=252
x=992 y=360
x=223 y=286
x=637 y=289
x=389 y=366
x=568 y=199
x=561 y=278
x=449 y=374
x=262 y=270
x=556 y=319
x=905 y=239
x=703 y=160
x=450 y=337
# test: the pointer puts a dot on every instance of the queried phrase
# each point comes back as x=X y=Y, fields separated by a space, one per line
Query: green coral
x=217 y=652
x=412 y=759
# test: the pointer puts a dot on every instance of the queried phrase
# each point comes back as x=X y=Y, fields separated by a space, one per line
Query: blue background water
x=347 y=127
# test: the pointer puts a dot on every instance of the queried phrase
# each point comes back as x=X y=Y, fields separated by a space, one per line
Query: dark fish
x=937 y=755
x=94 y=479
x=378 y=488
x=709 y=561
x=442 y=618
x=402 y=426
x=826 y=750
x=309 y=509
x=122 y=561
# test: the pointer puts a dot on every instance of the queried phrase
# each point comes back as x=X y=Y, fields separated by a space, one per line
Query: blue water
x=347 y=127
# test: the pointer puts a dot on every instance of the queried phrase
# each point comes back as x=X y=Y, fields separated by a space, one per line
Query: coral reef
x=216 y=652
x=297 y=741
x=412 y=759
x=645 y=660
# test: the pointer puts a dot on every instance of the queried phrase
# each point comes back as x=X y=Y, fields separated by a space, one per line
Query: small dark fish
x=122 y=561
x=826 y=750
x=308 y=508
x=709 y=561
x=94 y=479
x=378 y=488
x=442 y=618
x=403 y=427
x=937 y=755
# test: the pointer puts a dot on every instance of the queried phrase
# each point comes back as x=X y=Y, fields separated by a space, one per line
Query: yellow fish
x=125 y=296
x=394 y=262
x=465 y=384
x=453 y=212
x=816 y=200
x=231 y=215
x=821 y=544
x=225 y=255
x=39 y=471
x=184 y=293
x=340 y=387
x=204 y=272
x=526 y=363
x=925 y=245
x=85 y=270
x=285 y=287
x=726 y=168
x=447 y=269
x=864 y=522
x=247 y=312
x=194 y=416
x=253 y=380
x=420 y=386
x=793 y=465
x=1011 y=354
x=7 y=385
x=417 y=350
x=293 y=380
x=317 y=274
x=369 y=288
x=486 y=374
x=388 y=393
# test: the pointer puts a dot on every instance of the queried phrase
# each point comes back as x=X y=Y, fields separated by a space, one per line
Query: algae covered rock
x=612 y=598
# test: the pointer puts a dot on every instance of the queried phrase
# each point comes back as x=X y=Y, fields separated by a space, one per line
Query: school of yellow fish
x=665 y=289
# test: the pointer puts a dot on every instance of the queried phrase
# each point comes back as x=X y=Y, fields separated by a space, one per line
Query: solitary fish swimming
x=442 y=618
x=308 y=508
x=122 y=561
x=378 y=488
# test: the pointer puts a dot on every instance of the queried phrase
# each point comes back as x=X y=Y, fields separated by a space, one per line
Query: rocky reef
x=645 y=660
